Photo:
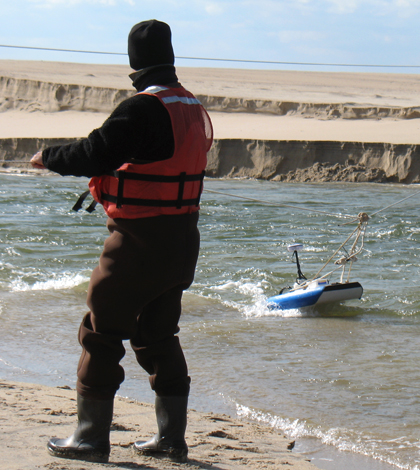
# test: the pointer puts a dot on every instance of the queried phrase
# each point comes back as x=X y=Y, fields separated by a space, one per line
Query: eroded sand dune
x=287 y=126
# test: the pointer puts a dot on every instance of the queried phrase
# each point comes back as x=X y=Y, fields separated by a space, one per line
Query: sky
x=359 y=32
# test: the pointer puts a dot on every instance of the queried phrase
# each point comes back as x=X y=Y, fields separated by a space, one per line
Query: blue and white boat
x=316 y=293
x=313 y=293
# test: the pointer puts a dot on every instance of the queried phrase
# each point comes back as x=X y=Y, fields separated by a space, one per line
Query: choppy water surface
x=348 y=379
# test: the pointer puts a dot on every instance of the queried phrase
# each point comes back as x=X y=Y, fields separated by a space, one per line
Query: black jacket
x=140 y=127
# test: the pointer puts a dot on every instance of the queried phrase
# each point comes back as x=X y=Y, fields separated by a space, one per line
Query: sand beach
x=33 y=413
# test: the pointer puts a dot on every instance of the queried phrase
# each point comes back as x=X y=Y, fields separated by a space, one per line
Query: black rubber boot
x=90 y=441
x=171 y=415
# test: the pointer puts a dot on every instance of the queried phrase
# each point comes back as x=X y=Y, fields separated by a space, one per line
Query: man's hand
x=36 y=161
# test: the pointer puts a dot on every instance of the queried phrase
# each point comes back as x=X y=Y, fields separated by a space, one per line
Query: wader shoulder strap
x=81 y=200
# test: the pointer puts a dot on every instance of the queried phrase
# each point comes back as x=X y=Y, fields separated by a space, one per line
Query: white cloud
x=52 y=3
x=214 y=8
x=344 y=7
x=407 y=3
x=294 y=36
x=407 y=8
x=402 y=8
x=336 y=6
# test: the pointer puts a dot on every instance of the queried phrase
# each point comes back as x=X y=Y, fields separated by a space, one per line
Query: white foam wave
x=226 y=286
x=340 y=438
x=253 y=302
x=245 y=287
x=65 y=281
x=11 y=251
x=260 y=309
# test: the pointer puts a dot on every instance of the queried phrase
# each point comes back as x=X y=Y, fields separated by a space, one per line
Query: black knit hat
x=149 y=43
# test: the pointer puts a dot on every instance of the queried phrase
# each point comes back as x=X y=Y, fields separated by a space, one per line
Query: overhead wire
x=250 y=61
x=53 y=49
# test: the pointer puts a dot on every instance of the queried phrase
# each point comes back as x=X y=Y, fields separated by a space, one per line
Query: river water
x=342 y=383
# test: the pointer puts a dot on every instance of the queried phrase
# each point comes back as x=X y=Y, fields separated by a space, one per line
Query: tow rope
x=350 y=256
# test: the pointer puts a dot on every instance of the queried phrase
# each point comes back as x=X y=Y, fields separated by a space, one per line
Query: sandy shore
x=226 y=126
x=380 y=89
x=251 y=104
x=31 y=414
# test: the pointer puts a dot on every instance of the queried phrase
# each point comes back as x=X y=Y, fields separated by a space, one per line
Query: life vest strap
x=119 y=200
x=120 y=191
x=182 y=178
x=158 y=178
x=150 y=202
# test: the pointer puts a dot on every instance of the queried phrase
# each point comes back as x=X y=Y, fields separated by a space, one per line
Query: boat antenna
x=295 y=258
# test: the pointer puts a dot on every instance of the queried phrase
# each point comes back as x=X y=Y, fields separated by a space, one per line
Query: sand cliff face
x=288 y=161
x=315 y=161
x=291 y=160
x=18 y=151
x=33 y=95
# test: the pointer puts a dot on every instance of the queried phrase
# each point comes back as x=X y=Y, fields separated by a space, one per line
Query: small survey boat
x=315 y=292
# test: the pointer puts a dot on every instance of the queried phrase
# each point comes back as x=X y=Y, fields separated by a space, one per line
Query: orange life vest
x=165 y=187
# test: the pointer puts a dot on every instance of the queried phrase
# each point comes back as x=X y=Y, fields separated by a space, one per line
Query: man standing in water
x=147 y=165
